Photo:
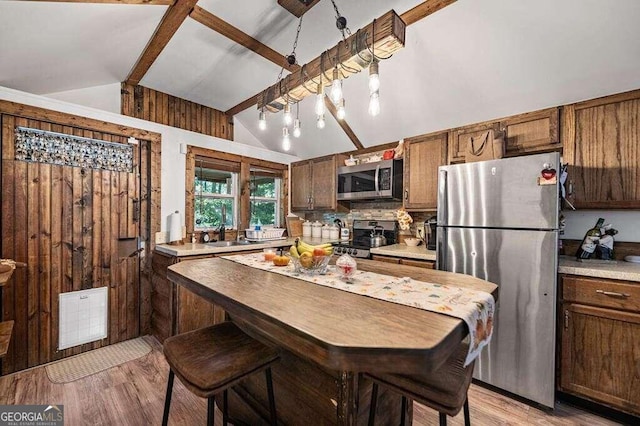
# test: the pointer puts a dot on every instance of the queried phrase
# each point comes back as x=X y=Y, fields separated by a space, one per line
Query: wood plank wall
x=152 y=105
x=65 y=223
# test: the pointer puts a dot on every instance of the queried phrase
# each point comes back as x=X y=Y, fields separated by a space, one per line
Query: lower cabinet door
x=601 y=356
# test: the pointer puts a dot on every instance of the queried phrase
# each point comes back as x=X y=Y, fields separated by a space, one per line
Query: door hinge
x=566 y=319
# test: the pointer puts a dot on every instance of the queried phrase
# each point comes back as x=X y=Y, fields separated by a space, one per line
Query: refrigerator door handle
x=442 y=198
x=441 y=249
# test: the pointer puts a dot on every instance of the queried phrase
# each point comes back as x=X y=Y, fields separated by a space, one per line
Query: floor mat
x=88 y=363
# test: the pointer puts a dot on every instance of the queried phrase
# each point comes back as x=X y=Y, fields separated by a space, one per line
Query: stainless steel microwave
x=382 y=179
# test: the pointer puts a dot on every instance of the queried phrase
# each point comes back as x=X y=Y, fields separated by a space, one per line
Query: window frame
x=235 y=196
x=277 y=201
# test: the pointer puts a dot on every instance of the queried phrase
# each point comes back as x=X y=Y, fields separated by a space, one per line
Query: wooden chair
x=444 y=390
x=212 y=359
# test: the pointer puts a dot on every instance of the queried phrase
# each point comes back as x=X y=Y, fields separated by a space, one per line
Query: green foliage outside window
x=213 y=189
x=264 y=201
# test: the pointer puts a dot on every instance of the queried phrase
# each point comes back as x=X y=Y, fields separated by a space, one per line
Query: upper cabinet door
x=532 y=132
x=323 y=194
x=601 y=140
x=301 y=186
x=423 y=156
x=459 y=139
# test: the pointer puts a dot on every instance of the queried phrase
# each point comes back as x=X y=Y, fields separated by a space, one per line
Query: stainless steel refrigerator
x=498 y=220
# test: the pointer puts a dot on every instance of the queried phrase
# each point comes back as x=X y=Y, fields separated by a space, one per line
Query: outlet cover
x=162 y=237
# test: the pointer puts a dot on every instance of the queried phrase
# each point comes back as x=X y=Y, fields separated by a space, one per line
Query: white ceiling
x=473 y=61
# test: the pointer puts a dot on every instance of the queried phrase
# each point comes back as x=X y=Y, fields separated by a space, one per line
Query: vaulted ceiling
x=471 y=61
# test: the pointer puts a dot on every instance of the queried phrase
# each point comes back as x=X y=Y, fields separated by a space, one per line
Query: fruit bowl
x=315 y=265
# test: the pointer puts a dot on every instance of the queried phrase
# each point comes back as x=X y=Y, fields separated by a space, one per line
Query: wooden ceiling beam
x=410 y=17
x=234 y=34
x=297 y=7
x=171 y=21
x=342 y=123
x=150 y=2
x=386 y=34
x=424 y=9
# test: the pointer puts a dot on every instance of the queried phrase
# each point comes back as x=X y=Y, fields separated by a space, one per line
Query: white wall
x=105 y=97
x=625 y=221
x=173 y=163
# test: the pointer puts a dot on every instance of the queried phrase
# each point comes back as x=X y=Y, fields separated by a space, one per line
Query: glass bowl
x=316 y=265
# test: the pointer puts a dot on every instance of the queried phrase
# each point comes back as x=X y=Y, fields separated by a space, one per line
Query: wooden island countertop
x=337 y=332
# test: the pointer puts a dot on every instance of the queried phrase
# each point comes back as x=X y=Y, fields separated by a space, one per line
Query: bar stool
x=444 y=390
x=211 y=360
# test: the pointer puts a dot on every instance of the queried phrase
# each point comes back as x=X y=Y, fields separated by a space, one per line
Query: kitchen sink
x=229 y=243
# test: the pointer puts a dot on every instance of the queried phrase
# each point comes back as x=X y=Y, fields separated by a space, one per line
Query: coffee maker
x=431 y=228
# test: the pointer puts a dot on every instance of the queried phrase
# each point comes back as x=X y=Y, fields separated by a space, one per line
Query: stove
x=359 y=245
x=352 y=250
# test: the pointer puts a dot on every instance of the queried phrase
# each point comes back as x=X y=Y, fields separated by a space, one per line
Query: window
x=214 y=188
x=264 y=198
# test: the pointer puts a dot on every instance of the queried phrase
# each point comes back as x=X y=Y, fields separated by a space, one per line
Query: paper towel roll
x=175 y=227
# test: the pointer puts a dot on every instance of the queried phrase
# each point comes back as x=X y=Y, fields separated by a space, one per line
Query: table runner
x=475 y=308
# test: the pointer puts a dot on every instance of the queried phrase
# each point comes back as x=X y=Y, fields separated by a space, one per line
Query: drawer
x=419 y=263
x=599 y=292
x=385 y=259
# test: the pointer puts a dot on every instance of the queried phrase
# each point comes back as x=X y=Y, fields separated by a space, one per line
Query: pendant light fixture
x=286 y=140
x=287 y=118
x=374 y=104
x=262 y=120
x=296 y=123
x=320 y=99
x=336 y=86
x=341 y=112
x=320 y=123
x=374 y=76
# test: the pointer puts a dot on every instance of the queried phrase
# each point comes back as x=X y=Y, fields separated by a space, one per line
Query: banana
x=293 y=250
x=306 y=247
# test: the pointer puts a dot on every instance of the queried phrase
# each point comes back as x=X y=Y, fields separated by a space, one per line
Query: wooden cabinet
x=175 y=309
x=404 y=261
x=532 y=132
x=313 y=184
x=301 y=186
x=600 y=341
x=601 y=140
x=459 y=139
x=537 y=131
x=423 y=155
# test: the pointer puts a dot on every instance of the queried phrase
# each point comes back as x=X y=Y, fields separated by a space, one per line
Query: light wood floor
x=133 y=394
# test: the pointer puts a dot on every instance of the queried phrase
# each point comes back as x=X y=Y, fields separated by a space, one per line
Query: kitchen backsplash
x=370 y=211
x=625 y=221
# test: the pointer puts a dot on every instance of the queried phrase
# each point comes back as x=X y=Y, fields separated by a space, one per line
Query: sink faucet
x=223 y=221
x=238 y=235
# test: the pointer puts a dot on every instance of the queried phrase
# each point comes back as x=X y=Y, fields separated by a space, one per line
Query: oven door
x=365 y=181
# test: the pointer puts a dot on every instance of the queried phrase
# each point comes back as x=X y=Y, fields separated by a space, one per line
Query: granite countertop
x=403 y=250
x=198 y=249
x=619 y=270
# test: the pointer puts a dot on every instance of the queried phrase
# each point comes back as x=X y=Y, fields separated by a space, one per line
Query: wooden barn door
x=67 y=223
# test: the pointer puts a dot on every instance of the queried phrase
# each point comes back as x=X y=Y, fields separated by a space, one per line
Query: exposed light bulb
x=320 y=123
x=262 y=121
x=341 y=112
x=374 y=77
x=286 y=140
x=336 y=87
x=296 y=128
x=374 y=103
x=320 y=100
x=288 y=119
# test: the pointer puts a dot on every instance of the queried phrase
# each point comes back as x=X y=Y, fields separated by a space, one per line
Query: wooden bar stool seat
x=212 y=359
x=444 y=390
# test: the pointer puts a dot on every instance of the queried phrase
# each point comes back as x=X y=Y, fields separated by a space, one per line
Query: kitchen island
x=327 y=337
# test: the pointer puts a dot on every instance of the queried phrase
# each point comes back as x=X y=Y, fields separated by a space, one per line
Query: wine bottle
x=590 y=241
